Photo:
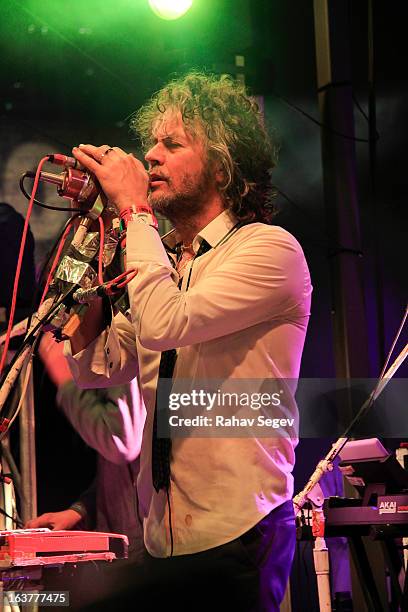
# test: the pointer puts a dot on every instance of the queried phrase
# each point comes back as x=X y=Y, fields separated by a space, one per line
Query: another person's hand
x=52 y=356
x=66 y=519
x=123 y=178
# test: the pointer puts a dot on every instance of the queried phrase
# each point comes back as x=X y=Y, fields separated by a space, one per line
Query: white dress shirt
x=244 y=316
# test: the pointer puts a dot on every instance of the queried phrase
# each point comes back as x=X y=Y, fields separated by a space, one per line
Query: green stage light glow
x=170 y=9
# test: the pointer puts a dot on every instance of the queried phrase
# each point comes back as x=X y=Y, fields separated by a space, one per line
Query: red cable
x=56 y=259
x=132 y=272
x=101 y=245
x=58 y=253
x=20 y=263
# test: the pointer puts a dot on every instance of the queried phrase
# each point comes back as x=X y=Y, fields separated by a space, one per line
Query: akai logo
x=387 y=507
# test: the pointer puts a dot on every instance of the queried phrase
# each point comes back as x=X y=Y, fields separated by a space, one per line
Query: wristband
x=142 y=214
x=79 y=507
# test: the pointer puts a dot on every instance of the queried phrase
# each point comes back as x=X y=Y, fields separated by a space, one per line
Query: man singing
x=227 y=297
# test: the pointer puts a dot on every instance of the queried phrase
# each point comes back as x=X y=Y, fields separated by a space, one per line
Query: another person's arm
x=91 y=327
x=109 y=420
x=83 y=510
x=108 y=360
x=65 y=519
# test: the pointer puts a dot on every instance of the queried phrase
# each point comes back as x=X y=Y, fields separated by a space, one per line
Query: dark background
x=74 y=72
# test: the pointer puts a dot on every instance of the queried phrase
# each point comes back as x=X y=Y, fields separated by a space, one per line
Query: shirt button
x=111 y=364
x=188 y=520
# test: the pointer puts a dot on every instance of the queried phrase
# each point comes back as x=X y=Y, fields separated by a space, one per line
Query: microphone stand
x=23 y=357
x=43 y=316
x=312 y=491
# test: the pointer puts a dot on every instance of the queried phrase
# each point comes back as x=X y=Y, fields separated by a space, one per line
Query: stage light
x=170 y=9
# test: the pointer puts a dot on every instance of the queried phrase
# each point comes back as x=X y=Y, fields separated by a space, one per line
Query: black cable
x=30 y=174
x=12 y=409
x=319 y=123
x=332 y=247
x=366 y=117
x=14 y=519
x=298 y=207
x=31 y=337
x=170 y=523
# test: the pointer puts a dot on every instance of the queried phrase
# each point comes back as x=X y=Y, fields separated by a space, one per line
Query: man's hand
x=52 y=356
x=66 y=519
x=123 y=178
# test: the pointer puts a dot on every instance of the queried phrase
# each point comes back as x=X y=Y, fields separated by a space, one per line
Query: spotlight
x=170 y=9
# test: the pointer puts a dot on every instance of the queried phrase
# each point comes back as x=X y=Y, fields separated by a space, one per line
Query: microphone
x=84 y=296
x=74 y=184
x=64 y=160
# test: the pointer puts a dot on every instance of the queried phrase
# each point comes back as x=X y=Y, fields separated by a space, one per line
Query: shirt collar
x=213 y=233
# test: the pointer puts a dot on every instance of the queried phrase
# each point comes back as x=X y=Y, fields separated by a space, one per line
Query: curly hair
x=231 y=122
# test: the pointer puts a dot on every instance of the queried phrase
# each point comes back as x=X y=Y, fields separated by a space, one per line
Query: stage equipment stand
x=28 y=470
x=332 y=38
x=27 y=473
x=312 y=491
x=335 y=97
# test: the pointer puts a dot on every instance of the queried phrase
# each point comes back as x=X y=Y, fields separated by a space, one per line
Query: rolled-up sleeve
x=110 y=359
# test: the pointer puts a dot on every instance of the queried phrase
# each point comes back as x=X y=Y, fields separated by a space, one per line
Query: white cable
x=29 y=365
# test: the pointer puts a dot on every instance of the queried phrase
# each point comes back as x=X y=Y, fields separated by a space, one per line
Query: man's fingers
x=93 y=157
x=44 y=520
x=136 y=162
x=98 y=153
x=121 y=176
x=86 y=160
x=94 y=151
x=119 y=151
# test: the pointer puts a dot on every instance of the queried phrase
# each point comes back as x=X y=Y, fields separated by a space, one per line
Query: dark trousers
x=247 y=574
